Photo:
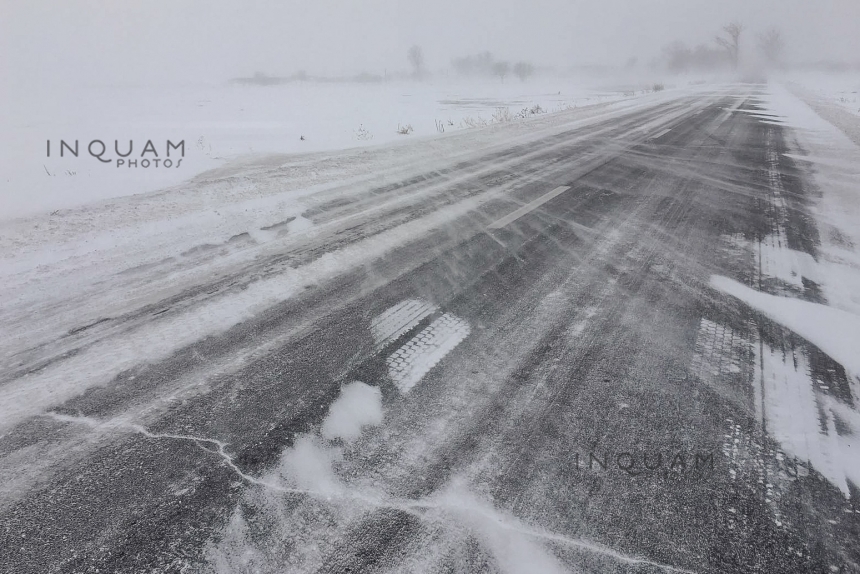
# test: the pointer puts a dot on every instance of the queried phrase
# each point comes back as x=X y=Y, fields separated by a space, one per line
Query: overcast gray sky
x=168 y=41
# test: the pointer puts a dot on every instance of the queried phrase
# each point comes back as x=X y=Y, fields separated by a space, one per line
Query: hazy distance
x=185 y=41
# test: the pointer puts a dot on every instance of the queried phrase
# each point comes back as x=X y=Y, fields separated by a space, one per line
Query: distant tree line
x=724 y=53
x=680 y=58
x=485 y=65
x=263 y=79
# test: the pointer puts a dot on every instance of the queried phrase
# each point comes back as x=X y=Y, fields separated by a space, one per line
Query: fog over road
x=531 y=370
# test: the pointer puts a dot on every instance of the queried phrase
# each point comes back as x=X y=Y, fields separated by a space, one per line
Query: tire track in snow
x=399 y=320
x=408 y=364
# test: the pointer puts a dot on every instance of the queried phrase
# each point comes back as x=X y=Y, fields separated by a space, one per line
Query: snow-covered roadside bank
x=64 y=272
x=804 y=413
x=219 y=123
x=838 y=89
x=250 y=195
x=253 y=193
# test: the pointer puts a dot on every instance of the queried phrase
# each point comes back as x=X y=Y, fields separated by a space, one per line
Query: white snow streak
x=792 y=413
x=834 y=331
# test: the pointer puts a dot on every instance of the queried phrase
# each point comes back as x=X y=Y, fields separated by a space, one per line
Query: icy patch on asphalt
x=834 y=331
x=720 y=351
x=262 y=235
x=749 y=462
x=398 y=320
x=358 y=405
x=408 y=364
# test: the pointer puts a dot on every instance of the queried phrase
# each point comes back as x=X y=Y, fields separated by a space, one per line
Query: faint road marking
x=661 y=134
x=511 y=217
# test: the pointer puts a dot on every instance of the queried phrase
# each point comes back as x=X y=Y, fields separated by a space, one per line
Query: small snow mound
x=358 y=405
x=308 y=465
x=299 y=224
x=262 y=235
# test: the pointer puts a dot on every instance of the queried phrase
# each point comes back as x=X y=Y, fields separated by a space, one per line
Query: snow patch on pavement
x=803 y=420
x=834 y=331
x=787 y=265
x=809 y=424
x=308 y=465
x=300 y=224
x=358 y=405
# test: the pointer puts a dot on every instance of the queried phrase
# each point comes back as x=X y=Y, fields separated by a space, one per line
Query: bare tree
x=476 y=65
x=416 y=59
x=771 y=46
x=732 y=42
x=523 y=70
x=681 y=59
x=501 y=69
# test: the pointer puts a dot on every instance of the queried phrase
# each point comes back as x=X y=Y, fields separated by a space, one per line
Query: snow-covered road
x=616 y=339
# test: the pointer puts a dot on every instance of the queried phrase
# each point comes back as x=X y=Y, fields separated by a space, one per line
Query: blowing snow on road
x=616 y=336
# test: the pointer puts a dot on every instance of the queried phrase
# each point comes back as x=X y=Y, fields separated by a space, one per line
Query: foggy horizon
x=161 y=42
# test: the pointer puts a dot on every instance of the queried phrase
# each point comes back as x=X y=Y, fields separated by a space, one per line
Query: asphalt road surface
x=548 y=383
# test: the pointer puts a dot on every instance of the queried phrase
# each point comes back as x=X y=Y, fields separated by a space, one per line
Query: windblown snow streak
x=834 y=331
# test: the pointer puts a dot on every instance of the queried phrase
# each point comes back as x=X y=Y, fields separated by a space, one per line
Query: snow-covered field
x=842 y=89
x=221 y=122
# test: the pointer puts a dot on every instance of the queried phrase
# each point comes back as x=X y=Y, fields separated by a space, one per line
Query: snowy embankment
x=797 y=408
x=840 y=89
x=220 y=123
x=75 y=281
